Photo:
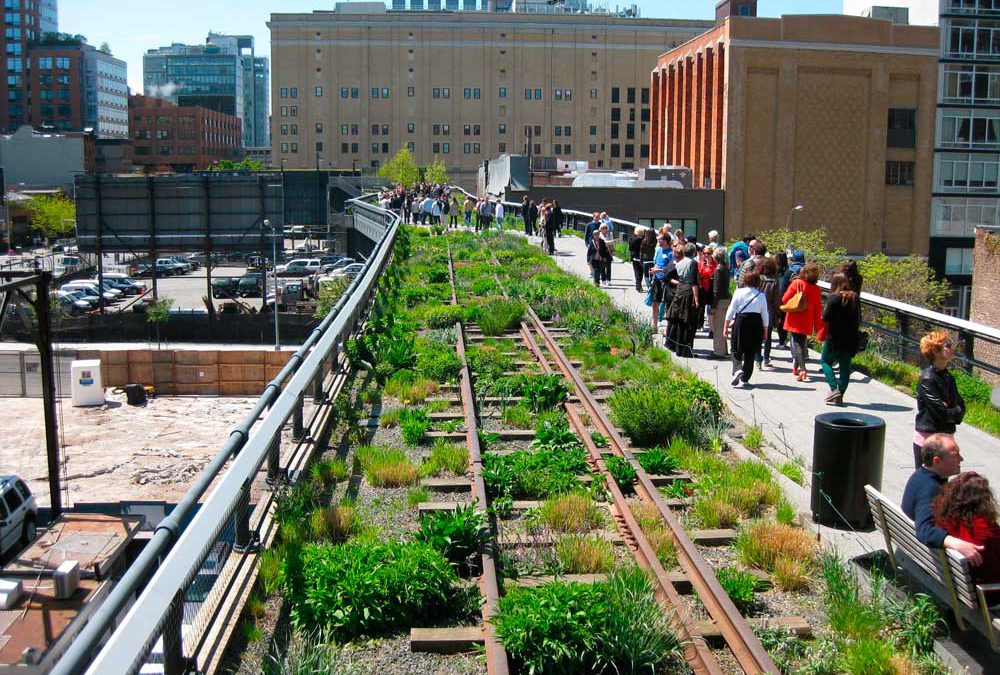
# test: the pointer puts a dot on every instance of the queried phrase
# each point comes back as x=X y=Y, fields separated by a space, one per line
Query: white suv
x=18 y=513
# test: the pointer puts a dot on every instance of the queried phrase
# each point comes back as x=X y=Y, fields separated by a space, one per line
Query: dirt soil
x=117 y=451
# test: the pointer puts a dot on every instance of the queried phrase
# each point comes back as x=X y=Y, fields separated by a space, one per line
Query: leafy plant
x=446 y=458
x=754 y=438
x=621 y=470
x=653 y=413
x=414 y=423
x=518 y=416
x=545 y=392
x=579 y=554
x=437 y=362
x=573 y=512
x=657 y=462
x=497 y=316
x=554 y=432
x=599 y=439
x=458 y=534
x=445 y=316
x=305 y=654
x=270 y=570
x=357 y=589
x=739 y=585
x=534 y=474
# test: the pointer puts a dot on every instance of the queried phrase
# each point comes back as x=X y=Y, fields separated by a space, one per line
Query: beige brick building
x=350 y=89
x=985 y=293
x=834 y=113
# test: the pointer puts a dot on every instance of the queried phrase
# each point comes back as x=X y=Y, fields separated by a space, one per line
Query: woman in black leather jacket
x=940 y=408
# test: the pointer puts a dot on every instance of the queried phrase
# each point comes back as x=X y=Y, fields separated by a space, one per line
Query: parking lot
x=187 y=290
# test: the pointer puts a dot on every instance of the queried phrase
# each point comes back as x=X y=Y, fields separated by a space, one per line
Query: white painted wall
x=922 y=12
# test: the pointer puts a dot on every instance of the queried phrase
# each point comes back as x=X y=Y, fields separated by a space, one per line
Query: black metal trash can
x=848 y=450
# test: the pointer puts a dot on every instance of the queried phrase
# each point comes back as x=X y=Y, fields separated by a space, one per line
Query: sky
x=131 y=27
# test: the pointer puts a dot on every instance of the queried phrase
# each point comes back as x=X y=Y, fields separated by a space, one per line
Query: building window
x=630 y=131
x=62 y=62
x=374 y=130
x=958 y=261
x=538 y=129
x=614 y=130
x=615 y=150
x=445 y=92
x=284 y=129
x=385 y=129
x=293 y=111
x=527 y=94
x=593 y=148
x=319 y=127
x=385 y=92
x=557 y=130
x=902 y=132
x=467 y=130
x=283 y=92
x=467 y=94
x=644 y=151
x=615 y=95
x=593 y=94
x=344 y=92
x=295 y=148
x=557 y=149
x=375 y=92
x=354 y=92
x=343 y=148
x=899 y=173
x=593 y=129
x=445 y=129
x=284 y=147
x=475 y=129
x=502 y=92
x=972 y=172
x=293 y=92
x=538 y=94
x=354 y=130
x=436 y=129
x=644 y=99
x=567 y=131
x=616 y=114
x=319 y=146
x=411 y=146
x=501 y=147
x=411 y=92
x=409 y=127
x=436 y=92
x=501 y=128
x=295 y=130
x=467 y=148
x=629 y=150
x=446 y=148
x=374 y=148
x=538 y=148
x=435 y=148
x=354 y=148
x=967 y=129
x=284 y=111
x=557 y=94
x=343 y=129
x=318 y=91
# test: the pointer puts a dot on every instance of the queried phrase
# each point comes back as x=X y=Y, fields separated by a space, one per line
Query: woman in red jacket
x=807 y=320
x=966 y=508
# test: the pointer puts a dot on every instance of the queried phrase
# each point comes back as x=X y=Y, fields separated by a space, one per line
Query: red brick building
x=181 y=138
x=56 y=80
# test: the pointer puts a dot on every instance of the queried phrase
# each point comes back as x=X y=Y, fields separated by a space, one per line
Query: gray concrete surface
x=785 y=409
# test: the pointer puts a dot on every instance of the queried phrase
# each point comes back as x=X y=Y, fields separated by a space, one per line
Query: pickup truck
x=225 y=287
x=171 y=265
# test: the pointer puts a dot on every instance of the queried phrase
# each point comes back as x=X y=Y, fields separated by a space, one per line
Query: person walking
x=597 y=253
x=768 y=270
x=467 y=210
x=453 y=210
x=532 y=220
x=549 y=228
x=842 y=316
x=662 y=291
x=558 y=216
x=850 y=270
x=610 y=242
x=781 y=260
x=803 y=307
x=524 y=214
x=685 y=309
x=646 y=251
x=498 y=213
x=746 y=320
x=940 y=408
x=720 y=303
x=635 y=252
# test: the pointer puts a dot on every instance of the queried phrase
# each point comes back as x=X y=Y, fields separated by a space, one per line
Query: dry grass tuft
x=585 y=555
x=334 y=523
x=570 y=513
x=659 y=537
x=761 y=544
x=713 y=513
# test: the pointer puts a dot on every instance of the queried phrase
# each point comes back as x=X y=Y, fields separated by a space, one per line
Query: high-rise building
x=832 y=113
x=224 y=75
x=48 y=19
x=350 y=89
x=22 y=24
x=105 y=94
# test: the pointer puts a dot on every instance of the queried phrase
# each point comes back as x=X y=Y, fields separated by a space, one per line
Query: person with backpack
x=746 y=321
x=768 y=271
x=842 y=318
x=802 y=304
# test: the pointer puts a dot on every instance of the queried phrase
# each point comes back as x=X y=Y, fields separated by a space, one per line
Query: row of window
x=45 y=62
x=971 y=84
x=974 y=6
x=469 y=93
x=960 y=216
x=473 y=148
x=968 y=38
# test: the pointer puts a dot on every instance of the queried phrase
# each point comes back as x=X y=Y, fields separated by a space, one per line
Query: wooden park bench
x=942 y=571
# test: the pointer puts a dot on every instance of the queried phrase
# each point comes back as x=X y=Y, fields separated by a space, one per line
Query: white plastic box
x=87 y=388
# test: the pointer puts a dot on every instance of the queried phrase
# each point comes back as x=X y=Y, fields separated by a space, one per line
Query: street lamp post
x=788 y=220
x=274 y=275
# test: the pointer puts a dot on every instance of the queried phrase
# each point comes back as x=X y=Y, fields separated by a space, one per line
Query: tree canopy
x=436 y=172
x=401 y=169
x=53 y=215
x=246 y=164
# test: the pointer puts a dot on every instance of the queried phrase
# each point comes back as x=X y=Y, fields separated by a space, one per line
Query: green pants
x=830 y=357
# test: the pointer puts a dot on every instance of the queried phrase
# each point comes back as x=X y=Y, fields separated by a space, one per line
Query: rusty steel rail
x=696 y=651
x=749 y=653
x=496 y=654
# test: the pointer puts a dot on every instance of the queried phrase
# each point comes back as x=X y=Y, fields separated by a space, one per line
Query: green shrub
x=364 y=589
x=754 y=438
x=534 y=474
x=457 y=534
x=653 y=413
x=437 y=362
x=739 y=585
x=484 y=286
x=554 y=432
x=498 y=316
x=446 y=458
x=293 y=508
x=971 y=388
x=607 y=627
x=657 y=462
x=414 y=423
x=868 y=656
x=490 y=364
x=445 y=316
x=621 y=470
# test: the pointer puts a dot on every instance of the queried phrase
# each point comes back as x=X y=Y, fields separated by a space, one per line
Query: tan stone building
x=349 y=89
x=833 y=113
x=985 y=291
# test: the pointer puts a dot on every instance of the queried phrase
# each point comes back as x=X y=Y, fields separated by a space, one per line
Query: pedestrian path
x=785 y=408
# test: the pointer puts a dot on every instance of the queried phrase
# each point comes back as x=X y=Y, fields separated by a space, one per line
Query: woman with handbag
x=746 y=321
x=842 y=316
x=803 y=307
x=720 y=303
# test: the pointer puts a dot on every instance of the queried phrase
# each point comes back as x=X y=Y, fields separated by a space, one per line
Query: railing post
x=298 y=429
x=318 y=395
x=968 y=344
x=273 y=457
x=173 y=642
x=241 y=517
x=903 y=326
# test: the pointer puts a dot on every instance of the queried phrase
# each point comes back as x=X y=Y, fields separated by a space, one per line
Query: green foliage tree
x=910 y=280
x=53 y=215
x=401 y=169
x=436 y=172
x=813 y=243
x=105 y=47
x=246 y=164
x=329 y=293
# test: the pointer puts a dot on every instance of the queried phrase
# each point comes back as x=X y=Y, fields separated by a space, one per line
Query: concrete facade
x=36 y=160
x=830 y=112
x=348 y=89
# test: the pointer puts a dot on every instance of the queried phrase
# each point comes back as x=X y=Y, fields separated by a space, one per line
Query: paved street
x=785 y=409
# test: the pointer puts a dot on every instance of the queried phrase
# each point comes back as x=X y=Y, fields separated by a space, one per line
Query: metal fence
x=176 y=599
x=21 y=373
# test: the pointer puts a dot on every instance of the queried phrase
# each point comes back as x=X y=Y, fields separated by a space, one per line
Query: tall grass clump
x=497 y=316
x=775 y=547
x=306 y=654
x=652 y=525
x=573 y=512
x=652 y=413
x=386 y=467
x=580 y=554
x=450 y=458
x=607 y=627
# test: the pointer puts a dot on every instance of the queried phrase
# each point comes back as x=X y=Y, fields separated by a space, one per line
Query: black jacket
x=939 y=405
x=842 y=323
x=633 y=247
x=592 y=251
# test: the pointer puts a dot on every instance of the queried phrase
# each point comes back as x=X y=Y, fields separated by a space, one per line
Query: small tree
x=813 y=243
x=910 y=280
x=401 y=169
x=53 y=215
x=246 y=164
x=159 y=313
x=106 y=48
x=436 y=172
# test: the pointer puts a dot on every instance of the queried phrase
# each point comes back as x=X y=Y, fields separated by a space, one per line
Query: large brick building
x=181 y=138
x=349 y=88
x=831 y=112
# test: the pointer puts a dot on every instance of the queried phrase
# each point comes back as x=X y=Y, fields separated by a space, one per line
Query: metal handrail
x=183 y=548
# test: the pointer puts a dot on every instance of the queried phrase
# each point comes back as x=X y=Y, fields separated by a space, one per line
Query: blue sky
x=131 y=27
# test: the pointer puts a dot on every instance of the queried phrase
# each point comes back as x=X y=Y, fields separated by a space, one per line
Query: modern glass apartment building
x=105 y=93
x=967 y=152
x=224 y=75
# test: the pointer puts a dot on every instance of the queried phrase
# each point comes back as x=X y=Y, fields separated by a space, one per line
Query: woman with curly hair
x=940 y=408
x=966 y=509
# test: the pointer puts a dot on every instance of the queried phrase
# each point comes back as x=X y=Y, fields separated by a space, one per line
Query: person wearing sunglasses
x=940 y=408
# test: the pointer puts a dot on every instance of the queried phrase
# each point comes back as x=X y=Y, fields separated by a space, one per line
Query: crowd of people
x=745 y=297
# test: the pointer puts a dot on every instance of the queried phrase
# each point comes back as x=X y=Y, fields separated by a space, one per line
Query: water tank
x=87 y=386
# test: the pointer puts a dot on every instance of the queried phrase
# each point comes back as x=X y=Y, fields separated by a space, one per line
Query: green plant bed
x=537 y=474
x=497 y=316
x=653 y=413
x=356 y=589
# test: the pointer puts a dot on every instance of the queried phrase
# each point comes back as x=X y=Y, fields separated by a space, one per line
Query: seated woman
x=966 y=508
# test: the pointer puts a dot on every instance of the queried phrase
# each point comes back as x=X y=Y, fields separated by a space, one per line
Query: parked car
x=191 y=263
x=171 y=266
x=71 y=302
x=330 y=259
x=343 y=262
x=300 y=266
x=18 y=513
x=349 y=271
x=251 y=285
x=88 y=289
x=225 y=287
x=132 y=286
x=91 y=300
x=107 y=288
x=162 y=269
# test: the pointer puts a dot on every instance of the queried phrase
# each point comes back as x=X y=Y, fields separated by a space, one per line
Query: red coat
x=811 y=320
x=982 y=533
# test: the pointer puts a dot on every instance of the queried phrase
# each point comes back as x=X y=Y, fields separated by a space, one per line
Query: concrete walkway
x=785 y=409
